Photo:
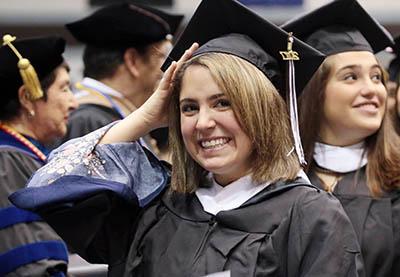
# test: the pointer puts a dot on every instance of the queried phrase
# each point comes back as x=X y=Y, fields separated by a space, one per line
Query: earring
x=32 y=113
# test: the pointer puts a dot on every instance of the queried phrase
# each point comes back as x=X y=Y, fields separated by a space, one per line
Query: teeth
x=214 y=143
x=369 y=104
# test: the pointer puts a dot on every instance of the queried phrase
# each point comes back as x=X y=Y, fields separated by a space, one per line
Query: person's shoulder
x=9 y=155
x=299 y=188
x=307 y=195
x=88 y=110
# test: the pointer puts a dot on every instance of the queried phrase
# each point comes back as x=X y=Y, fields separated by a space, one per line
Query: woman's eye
x=223 y=103
x=350 y=77
x=188 y=108
x=377 y=77
x=66 y=89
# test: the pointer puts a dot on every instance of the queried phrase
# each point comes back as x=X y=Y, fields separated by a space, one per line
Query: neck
x=346 y=139
x=129 y=89
x=21 y=126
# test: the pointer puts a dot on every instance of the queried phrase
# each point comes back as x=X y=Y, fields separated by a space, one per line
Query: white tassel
x=294 y=120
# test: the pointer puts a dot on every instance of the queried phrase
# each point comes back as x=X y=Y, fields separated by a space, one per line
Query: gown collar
x=7 y=140
x=94 y=84
x=217 y=198
x=340 y=159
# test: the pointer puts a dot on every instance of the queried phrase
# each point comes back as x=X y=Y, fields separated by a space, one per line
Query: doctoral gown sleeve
x=23 y=233
x=322 y=241
x=15 y=170
x=91 y=194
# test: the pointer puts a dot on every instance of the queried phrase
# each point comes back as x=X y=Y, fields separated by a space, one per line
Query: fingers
x=186 y=56
x=169 y=74
x=166 y=80
x=188 y=53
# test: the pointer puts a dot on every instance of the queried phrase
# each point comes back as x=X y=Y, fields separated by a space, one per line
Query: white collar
x=217 y=198
x=340 y=159
x=103 y=88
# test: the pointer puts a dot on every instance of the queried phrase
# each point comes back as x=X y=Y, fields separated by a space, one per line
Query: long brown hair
x=383 y=167
x=259 y=109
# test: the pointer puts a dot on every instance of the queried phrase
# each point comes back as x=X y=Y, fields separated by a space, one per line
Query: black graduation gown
x=375 y=220
x=89 y=117
x=285 y=230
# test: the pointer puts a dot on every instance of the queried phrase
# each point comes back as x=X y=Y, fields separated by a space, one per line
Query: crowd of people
x=242 y=148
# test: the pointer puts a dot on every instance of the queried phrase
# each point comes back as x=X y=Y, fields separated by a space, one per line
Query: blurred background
x=25 y=18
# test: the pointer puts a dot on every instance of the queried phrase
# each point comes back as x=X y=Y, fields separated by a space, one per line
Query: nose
x=370 y=88
x=205 y=120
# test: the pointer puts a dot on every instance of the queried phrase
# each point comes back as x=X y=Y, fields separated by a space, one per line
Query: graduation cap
x=227 y=26
x=27 y=61
x=340 y=26
x=394 y=65
x=124 y=25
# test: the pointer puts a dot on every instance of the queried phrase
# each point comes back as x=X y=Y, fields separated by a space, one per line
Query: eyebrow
x=357 y=66
x=212 y=97
x=65 y=83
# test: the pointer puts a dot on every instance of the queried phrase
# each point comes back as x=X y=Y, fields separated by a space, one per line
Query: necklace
x=325 y=174
x=24 y=141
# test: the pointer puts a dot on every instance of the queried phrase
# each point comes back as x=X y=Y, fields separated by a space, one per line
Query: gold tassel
x=28 y=73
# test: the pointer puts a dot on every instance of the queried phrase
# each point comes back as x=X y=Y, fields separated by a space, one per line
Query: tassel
x=292 y=56
x=28 y=73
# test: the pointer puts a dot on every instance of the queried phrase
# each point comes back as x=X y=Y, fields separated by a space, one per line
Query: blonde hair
x=260 y=110
x=383 y=167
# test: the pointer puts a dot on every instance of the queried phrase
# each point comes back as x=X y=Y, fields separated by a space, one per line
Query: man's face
x=150 y=72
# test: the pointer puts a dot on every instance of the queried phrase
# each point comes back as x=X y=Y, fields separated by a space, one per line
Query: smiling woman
x=350 y=144
x=236 y=200
x=355 y=98
x=228 y=127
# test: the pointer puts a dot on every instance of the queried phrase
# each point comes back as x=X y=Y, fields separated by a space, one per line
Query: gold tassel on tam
x=28 y=73
x=292 y=56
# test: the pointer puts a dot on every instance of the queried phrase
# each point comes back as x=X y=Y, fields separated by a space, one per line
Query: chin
x=369 y=129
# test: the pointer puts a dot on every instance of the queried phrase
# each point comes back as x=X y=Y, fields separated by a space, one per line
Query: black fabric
x=394 y=65
x=208 y=24
x=340 y=26
x=90 y=117
x=244 y=47
x=124 y=25
x=44 y=54
x=375 y=220
x=97 y=228
x=85 y=119
x=285 y=230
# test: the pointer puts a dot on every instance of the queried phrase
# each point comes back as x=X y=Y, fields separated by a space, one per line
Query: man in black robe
x=125 y=45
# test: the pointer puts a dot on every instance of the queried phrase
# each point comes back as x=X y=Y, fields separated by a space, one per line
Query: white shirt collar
x=99 y=86
x=217 y=198
x=340 y=159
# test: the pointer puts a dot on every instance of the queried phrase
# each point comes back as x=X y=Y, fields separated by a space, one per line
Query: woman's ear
x=24 y=99
x=132 y=61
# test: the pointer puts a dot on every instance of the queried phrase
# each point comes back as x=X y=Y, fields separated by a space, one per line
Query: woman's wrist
x=129 y=129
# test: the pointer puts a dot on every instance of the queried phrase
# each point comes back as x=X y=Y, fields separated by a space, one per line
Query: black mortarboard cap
x=44 y=54
x=394 y=65
x=340 y=26
x=124 y=25
x=229 y=27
